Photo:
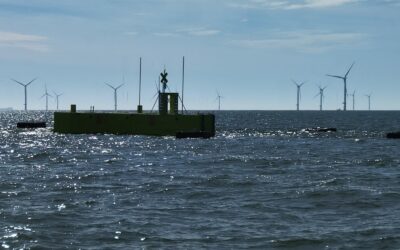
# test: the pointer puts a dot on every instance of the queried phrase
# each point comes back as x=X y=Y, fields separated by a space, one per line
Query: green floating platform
x=168 y=121
x=201 y=125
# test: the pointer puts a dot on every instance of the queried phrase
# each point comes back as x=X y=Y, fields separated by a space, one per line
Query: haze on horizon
x=249 y=51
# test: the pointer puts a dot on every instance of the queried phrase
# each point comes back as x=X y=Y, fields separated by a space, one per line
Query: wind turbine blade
x=295 y=83
x=18 y=82
x=110 y=86
x=31 y=81
x=340 y=77
x=302 y=84
x=349 y=69
x=317 y=95
x=119 y=86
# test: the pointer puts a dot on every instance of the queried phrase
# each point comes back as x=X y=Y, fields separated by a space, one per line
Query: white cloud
x=23 y=41
x=320 y=4
x=165 y=34
x=305 y=41
x=290 y=5
x=189 y=32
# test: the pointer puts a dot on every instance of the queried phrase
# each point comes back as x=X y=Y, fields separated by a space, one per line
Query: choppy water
x=262 y=183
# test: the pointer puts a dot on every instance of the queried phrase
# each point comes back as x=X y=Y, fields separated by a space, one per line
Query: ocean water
x=262 y=183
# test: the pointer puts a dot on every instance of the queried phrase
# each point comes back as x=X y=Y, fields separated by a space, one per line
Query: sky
x=249 y=51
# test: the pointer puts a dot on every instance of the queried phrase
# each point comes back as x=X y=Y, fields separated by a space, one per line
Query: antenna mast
x=140 y=107
x=183 y=79
x=140 y=78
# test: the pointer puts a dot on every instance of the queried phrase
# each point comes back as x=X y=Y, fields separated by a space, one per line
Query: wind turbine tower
x=25 y=85
x=354 y=96
x=46 y=94
x=369 y=101
x=344 y=78
x=219 y=100
x=321 y=96
x=57 y=96
x=115 y=94
x=298 y=93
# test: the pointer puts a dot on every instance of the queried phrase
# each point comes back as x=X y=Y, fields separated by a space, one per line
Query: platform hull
x=134 y=124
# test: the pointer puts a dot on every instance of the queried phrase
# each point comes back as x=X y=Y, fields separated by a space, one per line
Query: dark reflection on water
x=263 y=182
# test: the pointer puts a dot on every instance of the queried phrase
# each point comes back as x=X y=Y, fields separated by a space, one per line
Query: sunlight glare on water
x=263 y=182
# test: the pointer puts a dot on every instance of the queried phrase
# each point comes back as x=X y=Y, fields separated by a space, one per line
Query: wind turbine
x=219 y=100
x=115 y=94
x=353 y=95
x=344 y=78
x=321 y=96
x=369 y=101
x=25 y=89
x=57 y=96
x=46 y=94
x=298 y=92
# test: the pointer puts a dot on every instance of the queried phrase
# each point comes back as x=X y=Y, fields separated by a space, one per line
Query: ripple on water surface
x=262 y=182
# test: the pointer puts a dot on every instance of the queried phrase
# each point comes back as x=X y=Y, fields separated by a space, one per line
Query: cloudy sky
x=248 y=50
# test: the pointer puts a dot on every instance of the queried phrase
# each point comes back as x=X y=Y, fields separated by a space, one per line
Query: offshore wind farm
x=219 y=97
x=257 y=124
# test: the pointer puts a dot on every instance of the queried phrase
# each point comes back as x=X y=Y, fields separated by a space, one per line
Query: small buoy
x=31 y=124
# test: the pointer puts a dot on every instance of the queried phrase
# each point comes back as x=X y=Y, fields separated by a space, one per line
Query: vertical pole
x=345 y=94
x=298 y=97
x=115 y=99
x=369 y=103
x=183 y=79
x=140 y=78
x=26 y=105
x=320 y=100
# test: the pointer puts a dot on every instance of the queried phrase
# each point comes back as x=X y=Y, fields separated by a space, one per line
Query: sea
x=264 y=182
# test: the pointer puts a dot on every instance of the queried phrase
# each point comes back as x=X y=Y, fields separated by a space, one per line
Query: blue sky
x=248 y=50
